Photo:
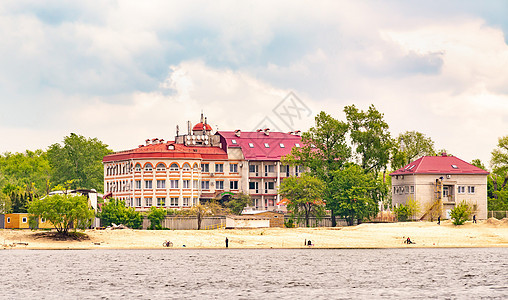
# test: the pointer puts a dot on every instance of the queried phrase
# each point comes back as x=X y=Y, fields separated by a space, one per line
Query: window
x=267 y=145
x=161 y=167
x=269 y=185
x=186 y=167
x=282 y=145
x=195 y=184
x=252 y=185
x=253 y=168
x=219 y=185
x=148 y=201
x=138 y=184
x=23 y=220
x=173 y=184
x=269 y=168
x=195 y=167
x=137 y=168
x=470 y=189
x=233 y=142
x=161 y=202
x=205 y=185
x=219 y=168
x=186 y=201
x=205 y=168
x=43 y=220
x=148 y=184
x=406 y=189
x=461 y=189
x=138 y=202
x=297 y=145
x=8 y=219
x=455 y=166
x=174 y=167
x=148 y=167
x=233 y=185
x=186 y=184
x=251 y=145
x=173 y=201
x=233 y=168
x=161 y=184
x=194 y=201
x=412 y=189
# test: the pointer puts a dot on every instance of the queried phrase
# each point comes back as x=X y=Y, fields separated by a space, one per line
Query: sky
x=125 y=71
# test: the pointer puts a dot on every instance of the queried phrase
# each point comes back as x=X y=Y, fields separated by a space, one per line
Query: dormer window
x=455 y=166
x=297 y=145
x=251 y=145
x=233 y=142
x=282 y=145
x=267 y=145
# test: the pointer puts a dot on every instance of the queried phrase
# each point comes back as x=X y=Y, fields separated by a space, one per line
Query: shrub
x=156 y=215
x=402 y=213
x=115 y=212
x=461 y=213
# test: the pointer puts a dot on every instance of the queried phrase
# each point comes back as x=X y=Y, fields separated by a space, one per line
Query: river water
x=255 y=274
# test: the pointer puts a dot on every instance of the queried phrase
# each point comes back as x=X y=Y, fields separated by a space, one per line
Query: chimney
x=147 y=142
x=155 y=141
x=259 y=130
x=161 y=141
x=267 y=131
x=298 y=132
x=206 y=120
x=237 y=132
x=291 y=132
x=444 y=154
x=189 y=126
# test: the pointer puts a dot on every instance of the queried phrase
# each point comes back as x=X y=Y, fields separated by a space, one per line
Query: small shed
x=16 y=221
x=247 y=222
x=276 y=218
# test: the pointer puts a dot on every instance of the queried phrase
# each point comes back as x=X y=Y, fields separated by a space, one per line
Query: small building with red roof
x=438 y=183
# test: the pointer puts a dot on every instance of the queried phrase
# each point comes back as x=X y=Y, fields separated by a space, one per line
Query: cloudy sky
x=124 y=71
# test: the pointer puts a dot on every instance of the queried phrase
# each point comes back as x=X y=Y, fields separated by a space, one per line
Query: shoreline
x=489 y=233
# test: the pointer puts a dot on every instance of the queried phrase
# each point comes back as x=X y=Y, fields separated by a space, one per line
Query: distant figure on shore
x=408 y=241
x=309 y=243
x=305 y=243
x=227 y=242
x=474 y=218
x=439 y=220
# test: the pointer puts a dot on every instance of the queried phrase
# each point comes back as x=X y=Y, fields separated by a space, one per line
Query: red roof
x=164 y=151
x=439 y=165
x=253 y=144
x=200 y=126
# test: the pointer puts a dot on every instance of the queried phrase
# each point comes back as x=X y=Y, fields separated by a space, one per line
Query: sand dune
x=488 y=233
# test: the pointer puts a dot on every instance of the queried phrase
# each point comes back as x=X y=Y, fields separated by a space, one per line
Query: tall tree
x=79 y=159
x=412 y=145
x=29 y=170
x=304 y=194
x=324 y=150
x=238 y=202
x=357 y=193
x=369 y=134
x=499 y=160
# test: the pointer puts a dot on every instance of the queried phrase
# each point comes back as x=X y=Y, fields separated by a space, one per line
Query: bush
x=115 y=212
x=156 y=215
x=402 y=213
x=461 y=213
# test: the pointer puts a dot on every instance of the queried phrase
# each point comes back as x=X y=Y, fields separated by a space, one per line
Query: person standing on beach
x=474 y=218
x=227 y=242
x=439 y=220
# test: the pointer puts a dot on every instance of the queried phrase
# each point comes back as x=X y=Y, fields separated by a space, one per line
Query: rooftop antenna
x=177 y=130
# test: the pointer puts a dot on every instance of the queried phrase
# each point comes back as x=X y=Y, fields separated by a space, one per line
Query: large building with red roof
x=438 y=183
x=200 y=165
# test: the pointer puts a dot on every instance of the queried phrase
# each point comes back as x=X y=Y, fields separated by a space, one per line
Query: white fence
x=498 y=214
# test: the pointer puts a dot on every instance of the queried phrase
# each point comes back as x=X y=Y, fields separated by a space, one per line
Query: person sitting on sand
x=408 y=241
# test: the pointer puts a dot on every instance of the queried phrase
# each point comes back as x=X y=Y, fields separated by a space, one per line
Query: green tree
x=356 y=194
x=116 y=212
x=156 y=215
x=370 y=136
x=79 y=159
x=304 y=195
x=410 y=146
x=63 y=211
x=499 y=161
x=461 y=213
x=238 y=202
x=205 y=209
x=29 y=170
x=324 y=150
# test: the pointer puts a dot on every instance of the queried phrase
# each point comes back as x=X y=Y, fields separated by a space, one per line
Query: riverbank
x=487 y=233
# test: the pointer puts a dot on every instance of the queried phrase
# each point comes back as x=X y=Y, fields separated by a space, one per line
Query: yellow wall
x=16 y=221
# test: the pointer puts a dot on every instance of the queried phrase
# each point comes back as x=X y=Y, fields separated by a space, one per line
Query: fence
x=498 y=214
x=188 y=223
x=315 y=222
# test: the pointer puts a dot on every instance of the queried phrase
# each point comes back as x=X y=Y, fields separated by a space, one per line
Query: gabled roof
x=439 y=165
x=253 y=144
x=169 y=150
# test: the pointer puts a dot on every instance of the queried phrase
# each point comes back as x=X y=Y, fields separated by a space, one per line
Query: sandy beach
x=487 y=233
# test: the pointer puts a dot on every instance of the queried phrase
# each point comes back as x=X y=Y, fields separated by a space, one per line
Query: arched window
x=173 y=167
x=148 y=167
x=137 y=168
x=186 y=167
x=195 y=167
x=161 y=167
